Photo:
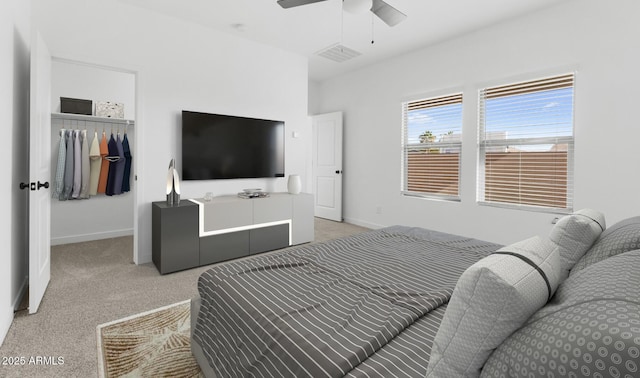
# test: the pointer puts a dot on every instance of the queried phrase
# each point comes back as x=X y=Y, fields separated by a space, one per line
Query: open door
x=327 y=165
x=39 y=172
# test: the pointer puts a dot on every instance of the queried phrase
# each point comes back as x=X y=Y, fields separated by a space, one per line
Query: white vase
x=294 y=185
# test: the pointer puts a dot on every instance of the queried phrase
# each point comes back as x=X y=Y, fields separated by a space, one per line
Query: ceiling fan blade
x=296 y=3
x=390 y=15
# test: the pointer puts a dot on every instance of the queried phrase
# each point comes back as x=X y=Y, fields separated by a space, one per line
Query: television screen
x=216 y=146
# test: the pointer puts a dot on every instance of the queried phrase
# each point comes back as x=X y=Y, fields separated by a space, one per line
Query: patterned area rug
x=152 y=344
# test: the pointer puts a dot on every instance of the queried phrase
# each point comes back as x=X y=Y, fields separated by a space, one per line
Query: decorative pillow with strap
x=492 y=299
x=574 y=234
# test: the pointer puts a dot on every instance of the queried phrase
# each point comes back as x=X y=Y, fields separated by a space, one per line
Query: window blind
x=526 y=144
x=432 y=138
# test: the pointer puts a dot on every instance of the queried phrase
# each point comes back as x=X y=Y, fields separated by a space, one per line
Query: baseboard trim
x=144 y=259
x=362 y=223
x=92 y=236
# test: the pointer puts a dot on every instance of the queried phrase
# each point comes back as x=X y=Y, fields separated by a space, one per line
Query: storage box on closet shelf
x=109 y=109
x=76 y=106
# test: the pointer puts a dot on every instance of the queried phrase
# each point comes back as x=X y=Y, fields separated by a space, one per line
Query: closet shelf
x=81 y=117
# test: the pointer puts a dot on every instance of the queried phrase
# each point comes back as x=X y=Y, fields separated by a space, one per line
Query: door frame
x=136 y=187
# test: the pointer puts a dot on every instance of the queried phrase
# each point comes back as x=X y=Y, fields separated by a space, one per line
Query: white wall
x=76 y=80
x=181 y=66
x=110 y=216
x=314 y=97
x=593 y=36
x=15 y=37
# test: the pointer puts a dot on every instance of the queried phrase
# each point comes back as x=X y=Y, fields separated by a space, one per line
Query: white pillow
x=491 y=300
x=574 y=234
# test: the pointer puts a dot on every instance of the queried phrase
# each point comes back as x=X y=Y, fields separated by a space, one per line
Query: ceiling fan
x=390 y=15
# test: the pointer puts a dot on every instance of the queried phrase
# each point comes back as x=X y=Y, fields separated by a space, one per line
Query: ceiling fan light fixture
x=357 y=6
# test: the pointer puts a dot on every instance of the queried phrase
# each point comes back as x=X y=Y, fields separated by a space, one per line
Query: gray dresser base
x=198 y=232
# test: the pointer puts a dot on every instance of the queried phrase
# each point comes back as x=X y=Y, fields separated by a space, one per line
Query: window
x=526 y=144
x=432 y=137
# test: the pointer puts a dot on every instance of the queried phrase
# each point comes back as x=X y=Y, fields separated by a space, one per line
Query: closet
x=99 y=216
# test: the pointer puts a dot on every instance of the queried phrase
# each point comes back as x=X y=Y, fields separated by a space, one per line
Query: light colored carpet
x=94 y=283
x=152 y=344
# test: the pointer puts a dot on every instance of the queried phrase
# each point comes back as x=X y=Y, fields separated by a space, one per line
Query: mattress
x=364 y=305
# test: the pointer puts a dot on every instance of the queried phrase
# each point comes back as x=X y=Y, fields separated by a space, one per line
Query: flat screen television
x=217 y=146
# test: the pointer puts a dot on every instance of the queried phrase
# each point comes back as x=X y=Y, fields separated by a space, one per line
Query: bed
x=375 y=304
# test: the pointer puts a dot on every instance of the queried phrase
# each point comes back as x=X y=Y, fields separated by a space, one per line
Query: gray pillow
x=574 y=234
x=591 y=328
x=493 y=298
x=621 y=237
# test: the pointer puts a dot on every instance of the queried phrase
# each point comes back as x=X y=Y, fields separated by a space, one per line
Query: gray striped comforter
x=362 y=306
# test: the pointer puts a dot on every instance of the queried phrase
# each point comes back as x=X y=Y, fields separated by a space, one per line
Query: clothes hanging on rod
x=104 y=167
x=82 y=167
x=86 y=168
x=126 y=184
x=119 y=166
x=95 y=163
x=68 y=167
x=58 y=185
x=77 y=165
x=113 y=159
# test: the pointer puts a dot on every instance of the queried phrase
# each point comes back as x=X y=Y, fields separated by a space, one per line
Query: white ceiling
x=308 y=29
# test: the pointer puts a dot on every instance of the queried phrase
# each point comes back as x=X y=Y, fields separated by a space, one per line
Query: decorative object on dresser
x=294 y=185
x=173 y=185
x=252 y=193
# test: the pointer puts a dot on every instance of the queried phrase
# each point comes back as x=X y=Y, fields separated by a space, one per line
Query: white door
x=327 y=165
x=39 y=173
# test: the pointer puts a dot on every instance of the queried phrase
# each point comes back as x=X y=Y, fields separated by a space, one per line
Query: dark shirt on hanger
x=68 y=168
x=126 y=186
x=113 y=158
x=117 y=184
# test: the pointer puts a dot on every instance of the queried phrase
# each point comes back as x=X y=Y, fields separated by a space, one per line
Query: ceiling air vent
x=338 y=53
